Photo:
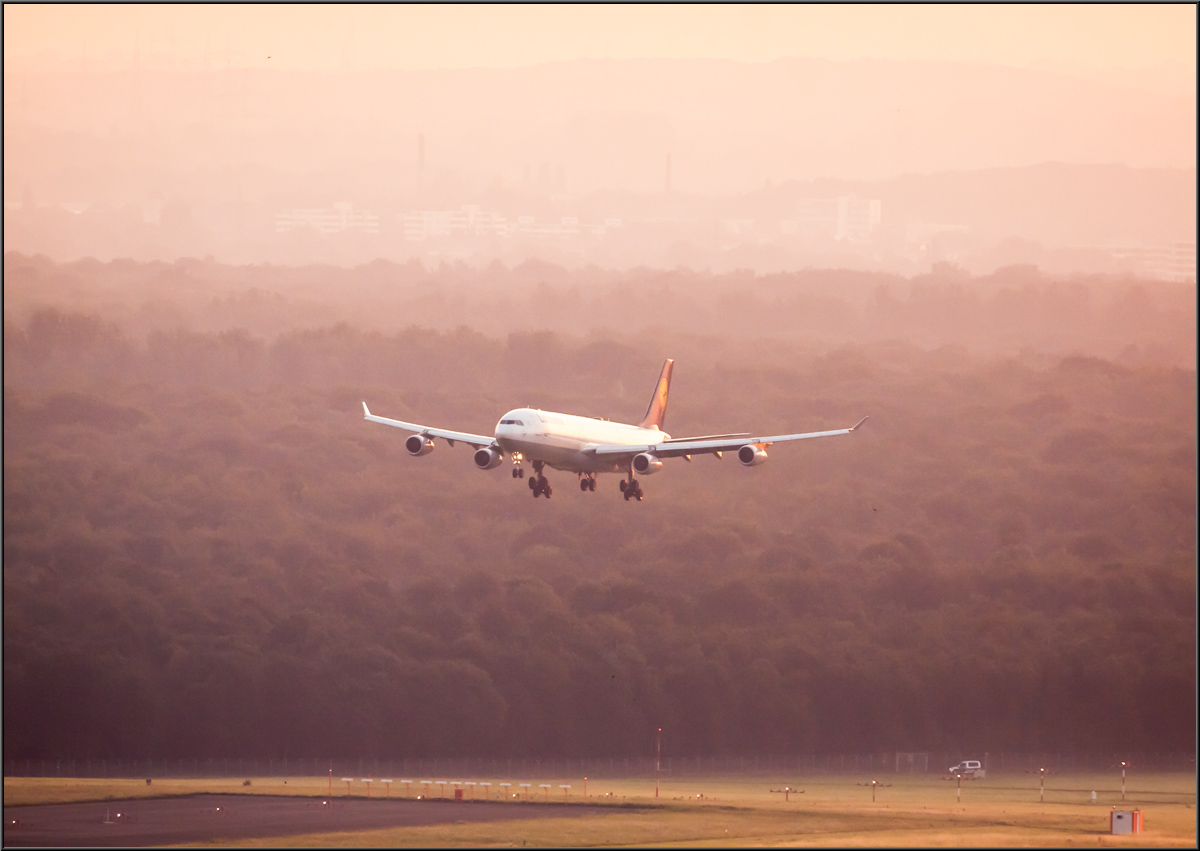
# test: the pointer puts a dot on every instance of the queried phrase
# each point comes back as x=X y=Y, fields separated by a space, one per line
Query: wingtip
x=857 y=424
x=366 y=411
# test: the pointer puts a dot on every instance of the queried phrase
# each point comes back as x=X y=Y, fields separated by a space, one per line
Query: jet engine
x=487 y=458
x=752 y=455
x=418 y=445
x=646 y=463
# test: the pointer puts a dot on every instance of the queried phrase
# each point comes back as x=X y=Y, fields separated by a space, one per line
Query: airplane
x=590 y=445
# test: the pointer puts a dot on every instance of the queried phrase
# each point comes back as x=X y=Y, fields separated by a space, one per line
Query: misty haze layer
x=702 y=162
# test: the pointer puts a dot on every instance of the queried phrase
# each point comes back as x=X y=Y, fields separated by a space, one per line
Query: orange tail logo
x=657 y=411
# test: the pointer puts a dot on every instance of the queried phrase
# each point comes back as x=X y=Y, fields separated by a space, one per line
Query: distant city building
x=472 y=220
x=339 y=218
x=151 y=212
x=844 y=217
x=919 y=234
x=1175 y=262
x=737 y=227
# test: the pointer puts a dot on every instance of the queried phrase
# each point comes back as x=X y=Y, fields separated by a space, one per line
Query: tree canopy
x=207 y=552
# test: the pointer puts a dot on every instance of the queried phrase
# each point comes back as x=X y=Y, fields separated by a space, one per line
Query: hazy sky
x=1068 y=36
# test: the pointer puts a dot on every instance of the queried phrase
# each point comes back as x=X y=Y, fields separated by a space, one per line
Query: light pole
x=585 y=788
x=1122 y=781
x=388 y=787
x=526 y=786
x=347 y=781
x=471 y=783
x=407 y=788
x=959 y=794
x=545 y=786
x=367 y=780
x=1042 y=795
x=487 y=789
x=566 y=787
x=657 y=760
x=873 y=784
x=504 y=787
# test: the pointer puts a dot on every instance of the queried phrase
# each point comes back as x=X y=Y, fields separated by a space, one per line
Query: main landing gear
x=632 y=489
x=538 y=483
x=587 y=482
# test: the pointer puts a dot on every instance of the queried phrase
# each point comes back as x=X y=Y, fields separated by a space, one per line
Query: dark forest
x=208 y=553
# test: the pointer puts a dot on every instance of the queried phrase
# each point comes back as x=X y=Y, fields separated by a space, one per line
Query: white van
x=967 y=768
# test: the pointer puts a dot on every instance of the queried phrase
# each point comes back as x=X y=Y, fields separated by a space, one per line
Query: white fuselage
x=562 y=440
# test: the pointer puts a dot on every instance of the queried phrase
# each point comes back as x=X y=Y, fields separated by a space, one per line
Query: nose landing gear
x=518 y=471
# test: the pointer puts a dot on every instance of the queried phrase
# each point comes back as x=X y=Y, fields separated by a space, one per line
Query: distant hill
x=1054 y=203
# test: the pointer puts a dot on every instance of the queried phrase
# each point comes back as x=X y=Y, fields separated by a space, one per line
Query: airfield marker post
x=407 y=788
x=527 y=787
x=566 y=787
x=486 y=790
x=367 y=780
x=388 y=787
x=471 y=791
x=347 y=781
x=545 y=786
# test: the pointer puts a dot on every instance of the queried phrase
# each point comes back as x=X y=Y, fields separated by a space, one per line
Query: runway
x=229 y=818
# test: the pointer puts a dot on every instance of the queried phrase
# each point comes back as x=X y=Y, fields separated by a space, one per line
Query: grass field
x=909 y=810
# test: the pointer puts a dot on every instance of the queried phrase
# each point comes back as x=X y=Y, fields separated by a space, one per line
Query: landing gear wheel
x=533 y=486
x=514 y=472
x=627 y=495
x=520 y=472
x=583 y=484
x=592 y=485
x=547 y=490
x=624 y=485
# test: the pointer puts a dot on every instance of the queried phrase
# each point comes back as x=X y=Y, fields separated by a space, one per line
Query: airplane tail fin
x=657 y=411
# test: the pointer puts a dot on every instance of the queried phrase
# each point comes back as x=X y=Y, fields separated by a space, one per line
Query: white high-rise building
x=844 y=217
x=339 y=218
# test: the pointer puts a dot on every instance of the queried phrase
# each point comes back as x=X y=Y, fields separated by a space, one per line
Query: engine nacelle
x=488 y=458
x=752 y=455
x=418 y=445
x=646 y=463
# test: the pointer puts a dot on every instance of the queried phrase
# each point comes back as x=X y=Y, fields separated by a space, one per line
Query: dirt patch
x=202 y=818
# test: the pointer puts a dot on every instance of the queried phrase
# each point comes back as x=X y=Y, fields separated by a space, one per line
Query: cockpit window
x=511 y=422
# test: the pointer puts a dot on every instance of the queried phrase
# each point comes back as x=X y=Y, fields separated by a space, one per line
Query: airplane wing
x=698 y=446
x=477 y=440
